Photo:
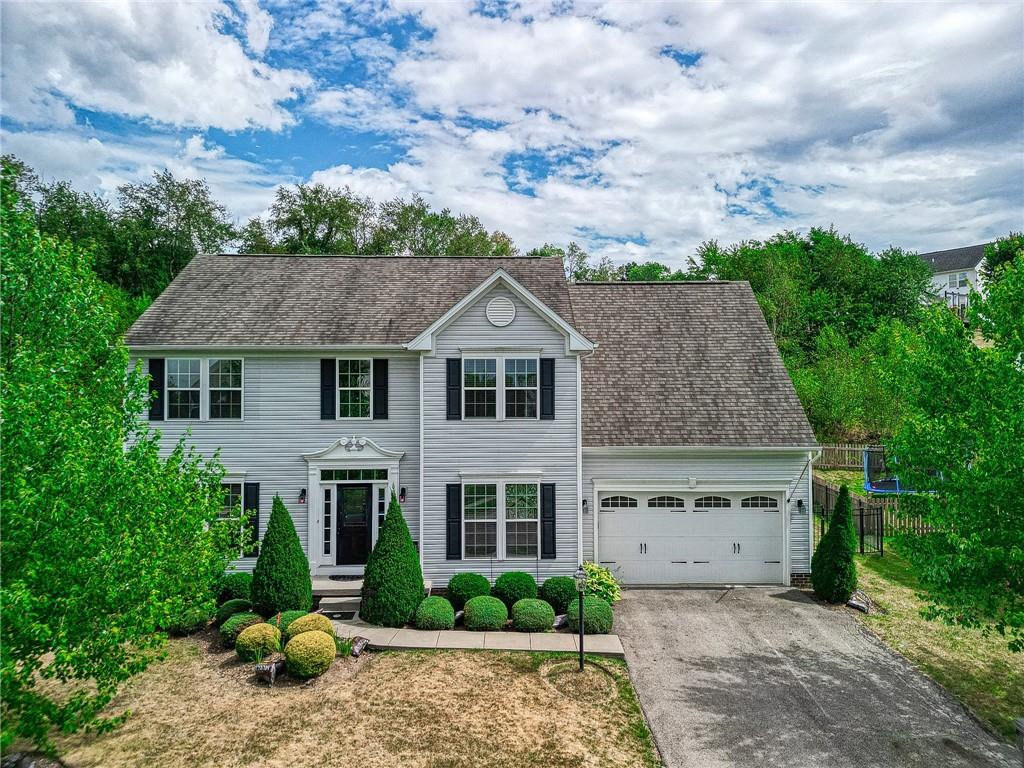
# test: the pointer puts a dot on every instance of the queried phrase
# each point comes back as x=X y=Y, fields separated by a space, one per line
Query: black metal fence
x=868 y=518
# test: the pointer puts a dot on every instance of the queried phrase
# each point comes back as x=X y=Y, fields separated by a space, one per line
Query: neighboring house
x=955 y=273
x=525 y=423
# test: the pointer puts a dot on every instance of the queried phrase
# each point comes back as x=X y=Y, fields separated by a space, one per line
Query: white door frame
x=346 y=453
x=776 y=486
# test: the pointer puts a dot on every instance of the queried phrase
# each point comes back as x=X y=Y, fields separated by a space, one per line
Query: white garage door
x=673 y=538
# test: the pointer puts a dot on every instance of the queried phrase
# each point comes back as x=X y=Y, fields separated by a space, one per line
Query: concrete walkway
x=388 y=639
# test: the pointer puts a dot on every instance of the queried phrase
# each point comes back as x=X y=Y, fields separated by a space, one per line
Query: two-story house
x=524 y=423
x=955 y=273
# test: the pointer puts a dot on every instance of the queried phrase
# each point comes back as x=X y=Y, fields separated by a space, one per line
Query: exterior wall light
x=401 y=495
x=302 y=496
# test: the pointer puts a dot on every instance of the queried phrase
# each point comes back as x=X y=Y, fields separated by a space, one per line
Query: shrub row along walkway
x=390 y=639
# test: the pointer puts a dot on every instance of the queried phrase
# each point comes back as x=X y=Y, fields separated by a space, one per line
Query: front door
x=354 y=524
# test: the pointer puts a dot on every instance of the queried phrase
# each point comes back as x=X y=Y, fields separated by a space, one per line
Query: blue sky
x=637 y=129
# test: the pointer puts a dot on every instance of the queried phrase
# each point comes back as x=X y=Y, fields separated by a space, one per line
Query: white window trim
x=500 y=520
x=338 y=388
x=168 y=388
x=241 y=389
x=499 y=384
x=204 y=389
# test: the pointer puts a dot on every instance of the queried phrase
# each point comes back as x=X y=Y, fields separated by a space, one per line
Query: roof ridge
x=376 y=256
x=657 y=282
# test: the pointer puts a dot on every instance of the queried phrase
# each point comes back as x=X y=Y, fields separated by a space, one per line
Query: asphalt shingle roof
x=326 y=300
x=954 y=259
x=683 y=364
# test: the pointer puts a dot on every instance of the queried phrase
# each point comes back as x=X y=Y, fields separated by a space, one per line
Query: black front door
x=354 y=525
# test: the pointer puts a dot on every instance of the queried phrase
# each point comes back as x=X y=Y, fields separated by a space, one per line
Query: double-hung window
x=184 y=387
x=511 y=395
x=958 y=280
x=355 y=387
x=232 y=499
x=501 y=520
x=226 y=389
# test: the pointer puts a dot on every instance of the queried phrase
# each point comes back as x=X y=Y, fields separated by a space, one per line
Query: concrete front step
x=323 y=587
x=339 y=604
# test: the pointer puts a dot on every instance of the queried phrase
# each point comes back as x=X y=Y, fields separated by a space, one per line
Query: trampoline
x=879 y=477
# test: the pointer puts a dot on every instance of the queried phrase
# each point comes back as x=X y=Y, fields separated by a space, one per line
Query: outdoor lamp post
x=580 y=577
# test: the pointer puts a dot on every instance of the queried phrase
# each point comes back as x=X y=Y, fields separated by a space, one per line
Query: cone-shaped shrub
x=281 y=580
x=833 y=572
x=393 y=581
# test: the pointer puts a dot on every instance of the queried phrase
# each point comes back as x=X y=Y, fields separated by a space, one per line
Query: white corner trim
x=422 y=485
x=576 y=341
x=354 y=448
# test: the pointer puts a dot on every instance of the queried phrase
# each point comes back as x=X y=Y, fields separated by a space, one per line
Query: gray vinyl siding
x=475 y=445
x=709 y=469
x=281 y=396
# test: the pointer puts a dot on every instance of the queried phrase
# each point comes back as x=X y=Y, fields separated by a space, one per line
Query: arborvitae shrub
x=514 y=586
x=463 y=587
x=833 y=571
x=281 y=580
x=558 y=591
x=393 y=580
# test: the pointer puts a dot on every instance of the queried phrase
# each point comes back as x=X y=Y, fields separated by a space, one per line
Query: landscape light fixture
x=580 y=577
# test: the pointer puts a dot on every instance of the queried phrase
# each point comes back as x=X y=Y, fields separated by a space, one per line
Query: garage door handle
x=681 y=561
x=695 y=562
x=776 y=562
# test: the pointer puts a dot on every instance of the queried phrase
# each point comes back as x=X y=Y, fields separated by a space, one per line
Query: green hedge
x=435 y=613
x=833 y=571
x=514 y=586
x=559 y=591
x=485 y=614
x=463 y=587
x=281 y=579
x=231 y=628
x=256 y=641
x=529 y=615
x=597 y=616
x=393 y=580
x=234 y=586
x=230 y=608
x=309 y=654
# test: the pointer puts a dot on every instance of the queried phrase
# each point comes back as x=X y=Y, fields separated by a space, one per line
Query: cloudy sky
x=636 y=128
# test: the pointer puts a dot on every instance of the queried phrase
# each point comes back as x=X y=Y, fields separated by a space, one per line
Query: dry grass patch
x=980 y=671
x=437 y=709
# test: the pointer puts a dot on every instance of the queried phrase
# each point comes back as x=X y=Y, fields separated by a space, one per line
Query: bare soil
x=436 y=709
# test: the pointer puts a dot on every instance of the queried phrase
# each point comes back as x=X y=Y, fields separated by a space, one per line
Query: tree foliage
x=833 y=570
x=105 y=540
x=963 y=440
x=281 y=581
x=393 y=580
x=1003 y=251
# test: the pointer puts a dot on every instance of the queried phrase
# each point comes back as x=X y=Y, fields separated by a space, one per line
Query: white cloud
x=166 y=62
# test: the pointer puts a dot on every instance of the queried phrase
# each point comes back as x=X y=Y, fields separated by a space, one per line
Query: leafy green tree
x=833 y=570
x=160 y=226
x=393 y=580
x=316 y=218
x=412 y=227
x=578 y=263
x=256 y=237
x=281 y=581
x=1002 y=251
x=963 y=441
x=105 y=541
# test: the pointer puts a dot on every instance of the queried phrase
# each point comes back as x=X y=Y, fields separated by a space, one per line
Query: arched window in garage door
x=759 y=502
x=712 y=502
x=666 y=502
x=618 y=502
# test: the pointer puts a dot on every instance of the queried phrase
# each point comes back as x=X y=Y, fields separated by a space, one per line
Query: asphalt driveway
x=766 y=677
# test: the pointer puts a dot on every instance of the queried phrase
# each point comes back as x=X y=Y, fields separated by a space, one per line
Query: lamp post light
x=580 y=577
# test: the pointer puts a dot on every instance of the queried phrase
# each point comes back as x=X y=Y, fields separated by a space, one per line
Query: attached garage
x=666 y=537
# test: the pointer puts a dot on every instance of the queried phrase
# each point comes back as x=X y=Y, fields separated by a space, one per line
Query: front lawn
x=978 y=670
x=443 y=709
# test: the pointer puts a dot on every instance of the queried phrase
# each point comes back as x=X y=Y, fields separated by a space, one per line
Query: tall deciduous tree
x=1002 y=251
x=963 y=442
x=104 y=540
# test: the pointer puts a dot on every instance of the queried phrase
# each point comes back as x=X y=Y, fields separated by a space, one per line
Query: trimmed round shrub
x=309 y=654
x=230 y=608
x=597 y=616
x=231 y=628
x=256 y=641
x=530 y=615
x=463 y=587
x=284 y=620
x=514 y=586
x=393 y=579
x=311 y=622
x=833 y=571
x=281 y=580
x=485 y=614
x=236 y=585
x=559 y=591
x=435 y=613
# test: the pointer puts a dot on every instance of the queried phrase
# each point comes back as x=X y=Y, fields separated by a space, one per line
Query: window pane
x=225 y=404
x=354 y=373
x=481 y=539
x=354 y=403
x=480 y=373
x=521 y=539
x=521 y=403
x=481 y=404
x=520 y=373
x=480 y=502
x=183 y=374
x=225 y=374
x=232 y=498
x=183 y=403
x=521 y=501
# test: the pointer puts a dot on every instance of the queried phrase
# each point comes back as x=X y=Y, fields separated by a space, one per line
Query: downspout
x=579 y=458
x=422 y=483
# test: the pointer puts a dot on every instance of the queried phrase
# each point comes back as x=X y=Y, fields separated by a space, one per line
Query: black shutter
x=454 y=389
x=251 y=504
x=547 y=388
x=453 y=518
x=156 y=387
x=380 y=388
x=328 y=387
x=547 y=521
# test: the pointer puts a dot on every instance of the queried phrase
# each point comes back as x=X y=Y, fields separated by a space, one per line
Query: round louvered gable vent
x=501 y=311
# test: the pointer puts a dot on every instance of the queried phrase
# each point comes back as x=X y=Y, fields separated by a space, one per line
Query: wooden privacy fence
x=873 y=518
x=842 y=456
